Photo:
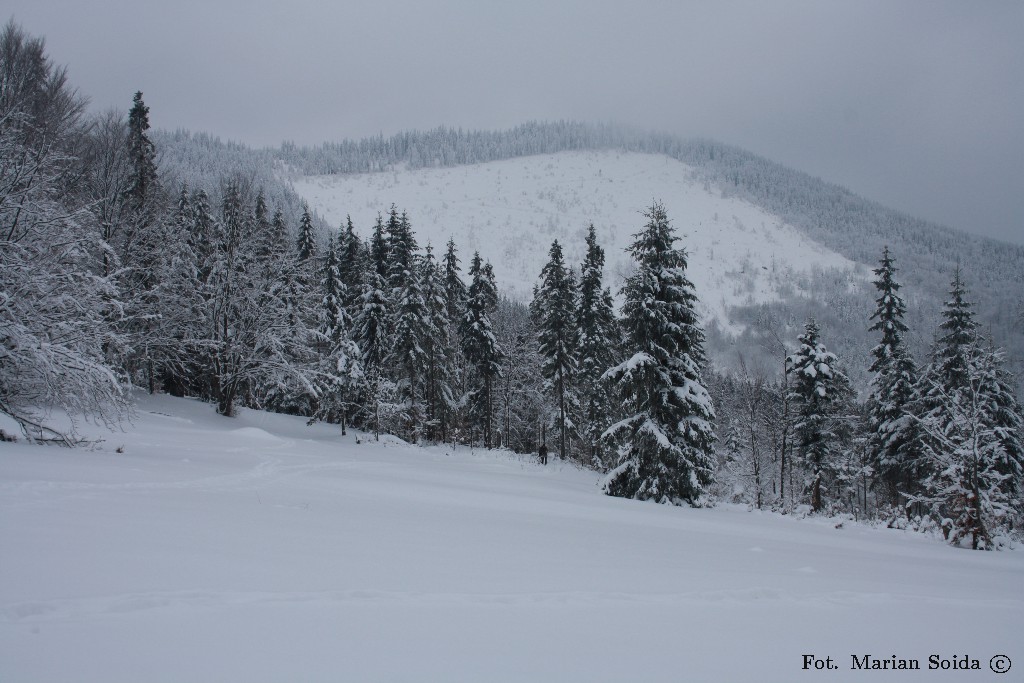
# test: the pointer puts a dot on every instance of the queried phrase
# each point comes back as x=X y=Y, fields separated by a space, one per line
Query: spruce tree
x=973 y=486
x=820 y=393
x=481 y=347
x=454 y=287
x=341 y=361
x=455 y=298
x=408 y=356
x=437 y=348
x=372 y=336
x=971 y=426
x=555 y=307
x=664 y=444
x=893 y=439
x=142 y=153
x=143 y=253
x=489 y=287
x=333 y=323
x=305 y=246
x=352 y=264
x=598 y=335
x=401 y=249
x=379 y=257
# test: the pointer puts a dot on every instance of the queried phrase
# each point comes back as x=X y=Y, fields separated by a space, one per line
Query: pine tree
x=379 y=256
x=555 y=306
x=820 y=393
x=437 y=348
x=893 y=435
x=408 y=353
x=401 y=249
x=972 y=489
x=598 y=335
x=454 y=287
x=334 y=323
x=142 y=153
x=144 y=248
x=306 y=244
x=665 y=442
x=455 y=296
x=481 y=347
x=341 y=359
x=971 y=427
x=372 y=336
x=489 y=287
x=262 y=228
x=957 y=347
x=352 y=264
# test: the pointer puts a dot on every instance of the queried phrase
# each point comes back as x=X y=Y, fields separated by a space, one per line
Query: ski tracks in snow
x=110 y=606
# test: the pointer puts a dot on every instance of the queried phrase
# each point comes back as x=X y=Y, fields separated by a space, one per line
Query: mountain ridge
x=829 y=214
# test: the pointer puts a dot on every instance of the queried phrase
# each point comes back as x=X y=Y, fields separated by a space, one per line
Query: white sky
x=918 y=105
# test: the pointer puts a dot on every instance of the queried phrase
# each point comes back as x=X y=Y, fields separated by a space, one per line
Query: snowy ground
x=260 y=549
x=512 y=210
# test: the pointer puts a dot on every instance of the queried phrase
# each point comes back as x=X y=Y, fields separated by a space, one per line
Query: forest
x=120 y=271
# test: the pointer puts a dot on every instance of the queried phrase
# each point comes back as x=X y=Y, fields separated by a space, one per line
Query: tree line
x=935 y=447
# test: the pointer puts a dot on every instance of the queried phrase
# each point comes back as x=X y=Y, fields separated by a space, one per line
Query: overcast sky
x=918 y=105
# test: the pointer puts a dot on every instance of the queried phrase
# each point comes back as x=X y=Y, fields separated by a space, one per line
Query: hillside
x=510 y=211
x=270 y=550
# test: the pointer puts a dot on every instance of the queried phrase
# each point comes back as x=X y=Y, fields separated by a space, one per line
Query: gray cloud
x=915 y=104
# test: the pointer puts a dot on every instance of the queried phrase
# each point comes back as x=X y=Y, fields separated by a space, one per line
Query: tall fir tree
x=974 y=480
x=379 y=256
x=455 y=298
x=142 y=153
x=481 y=348
x=143 y=249
x=971 y=425
x=454 y=287
x=820 y=394
x=401 y=249
x=893 y=441
x=664 y=444
x=408 y=357
x=489 y=287
x=555 y=307
x=342 y=363
x=598 y=336
x=305 y=245
x=352 y=264
x=334 y=323
x=370 y=322
x=437 y=349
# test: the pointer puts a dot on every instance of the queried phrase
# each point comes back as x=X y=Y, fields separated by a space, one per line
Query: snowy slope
x=260 y=549
x=512 y=210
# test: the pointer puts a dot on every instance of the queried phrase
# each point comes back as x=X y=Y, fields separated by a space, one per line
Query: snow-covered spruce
x=664 y=444
x=820 y=394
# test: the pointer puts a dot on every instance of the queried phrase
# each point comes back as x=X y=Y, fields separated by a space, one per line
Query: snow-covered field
x=512 y=210
x=261 y=549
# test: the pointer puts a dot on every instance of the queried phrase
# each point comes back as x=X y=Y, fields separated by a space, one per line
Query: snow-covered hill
x=262 y=549
x=511 y=211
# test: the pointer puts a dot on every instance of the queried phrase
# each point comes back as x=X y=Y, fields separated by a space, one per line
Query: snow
x=511 y=211
x=262 y=549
